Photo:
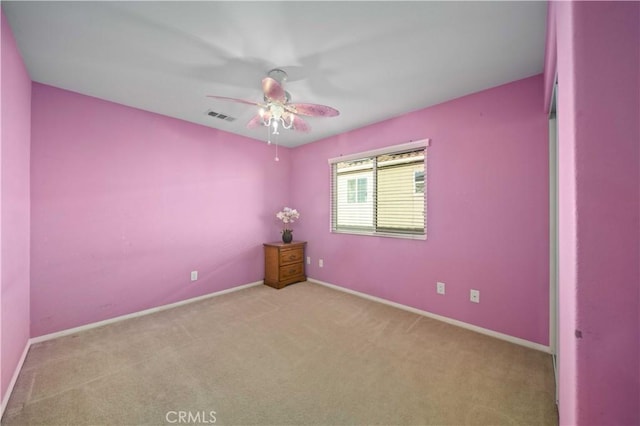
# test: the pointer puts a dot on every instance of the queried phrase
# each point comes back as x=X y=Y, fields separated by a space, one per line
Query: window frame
x=395 y=149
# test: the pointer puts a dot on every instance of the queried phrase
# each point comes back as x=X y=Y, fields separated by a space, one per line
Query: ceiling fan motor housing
x=278 y=75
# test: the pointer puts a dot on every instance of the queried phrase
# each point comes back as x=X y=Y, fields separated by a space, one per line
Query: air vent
x=219 y=115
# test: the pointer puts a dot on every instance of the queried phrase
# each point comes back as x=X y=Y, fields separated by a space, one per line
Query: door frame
x=553 y=232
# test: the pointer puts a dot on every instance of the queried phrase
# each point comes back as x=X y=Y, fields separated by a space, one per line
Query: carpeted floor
x=305 y=354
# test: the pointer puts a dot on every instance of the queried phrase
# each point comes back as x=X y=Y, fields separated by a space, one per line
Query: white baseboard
x=74 y=330
x=486 y=331
x=14 y=378
x=69 y=331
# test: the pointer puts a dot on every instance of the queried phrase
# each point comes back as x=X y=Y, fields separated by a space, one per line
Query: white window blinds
x=381 y=193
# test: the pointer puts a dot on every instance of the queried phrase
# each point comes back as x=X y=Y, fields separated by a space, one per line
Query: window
x=357 y=190
x=353 y=181
x=381 y=192
x=418 y=182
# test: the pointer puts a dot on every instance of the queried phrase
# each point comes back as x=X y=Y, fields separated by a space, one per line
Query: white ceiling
x=370 y=60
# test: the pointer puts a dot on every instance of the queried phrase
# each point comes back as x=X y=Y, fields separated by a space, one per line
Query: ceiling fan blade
x=300 y=125
x=273 y=90
x=224 y=98
x=313 y=110
x=258 y=120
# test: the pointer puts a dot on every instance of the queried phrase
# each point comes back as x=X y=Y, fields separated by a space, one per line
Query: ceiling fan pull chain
x=275 y=141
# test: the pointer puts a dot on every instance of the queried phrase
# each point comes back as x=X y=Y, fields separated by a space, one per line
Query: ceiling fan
x=277 y=111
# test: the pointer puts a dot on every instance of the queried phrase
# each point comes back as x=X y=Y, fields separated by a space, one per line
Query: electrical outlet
x=194 y=275
x=440 y=287
x=474 y=296
x=308 y=260
x=321 y=263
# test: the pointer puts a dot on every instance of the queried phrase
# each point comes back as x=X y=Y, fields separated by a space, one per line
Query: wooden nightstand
x=284 y=263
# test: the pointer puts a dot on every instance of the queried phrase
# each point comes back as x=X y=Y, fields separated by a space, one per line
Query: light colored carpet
x=305 y=354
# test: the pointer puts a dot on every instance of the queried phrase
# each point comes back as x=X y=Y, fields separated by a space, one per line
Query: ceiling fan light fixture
x=278 y=117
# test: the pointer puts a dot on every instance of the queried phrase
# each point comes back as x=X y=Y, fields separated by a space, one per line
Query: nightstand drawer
x=293 y=255
x=291 y=271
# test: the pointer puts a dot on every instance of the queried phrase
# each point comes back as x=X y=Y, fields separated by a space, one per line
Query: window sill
x=384 y=235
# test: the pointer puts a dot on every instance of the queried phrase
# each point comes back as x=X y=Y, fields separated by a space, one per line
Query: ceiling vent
x=221 y=116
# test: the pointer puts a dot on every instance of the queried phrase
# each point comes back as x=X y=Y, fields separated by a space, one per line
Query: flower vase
x=287 y=236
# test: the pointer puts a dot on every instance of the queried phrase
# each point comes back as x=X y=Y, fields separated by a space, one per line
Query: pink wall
x=14 y=196
x=125 y=203
x=487 y=173
x=598 y=65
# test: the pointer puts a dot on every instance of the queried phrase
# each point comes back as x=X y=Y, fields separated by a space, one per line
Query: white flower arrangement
x=287 y=216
